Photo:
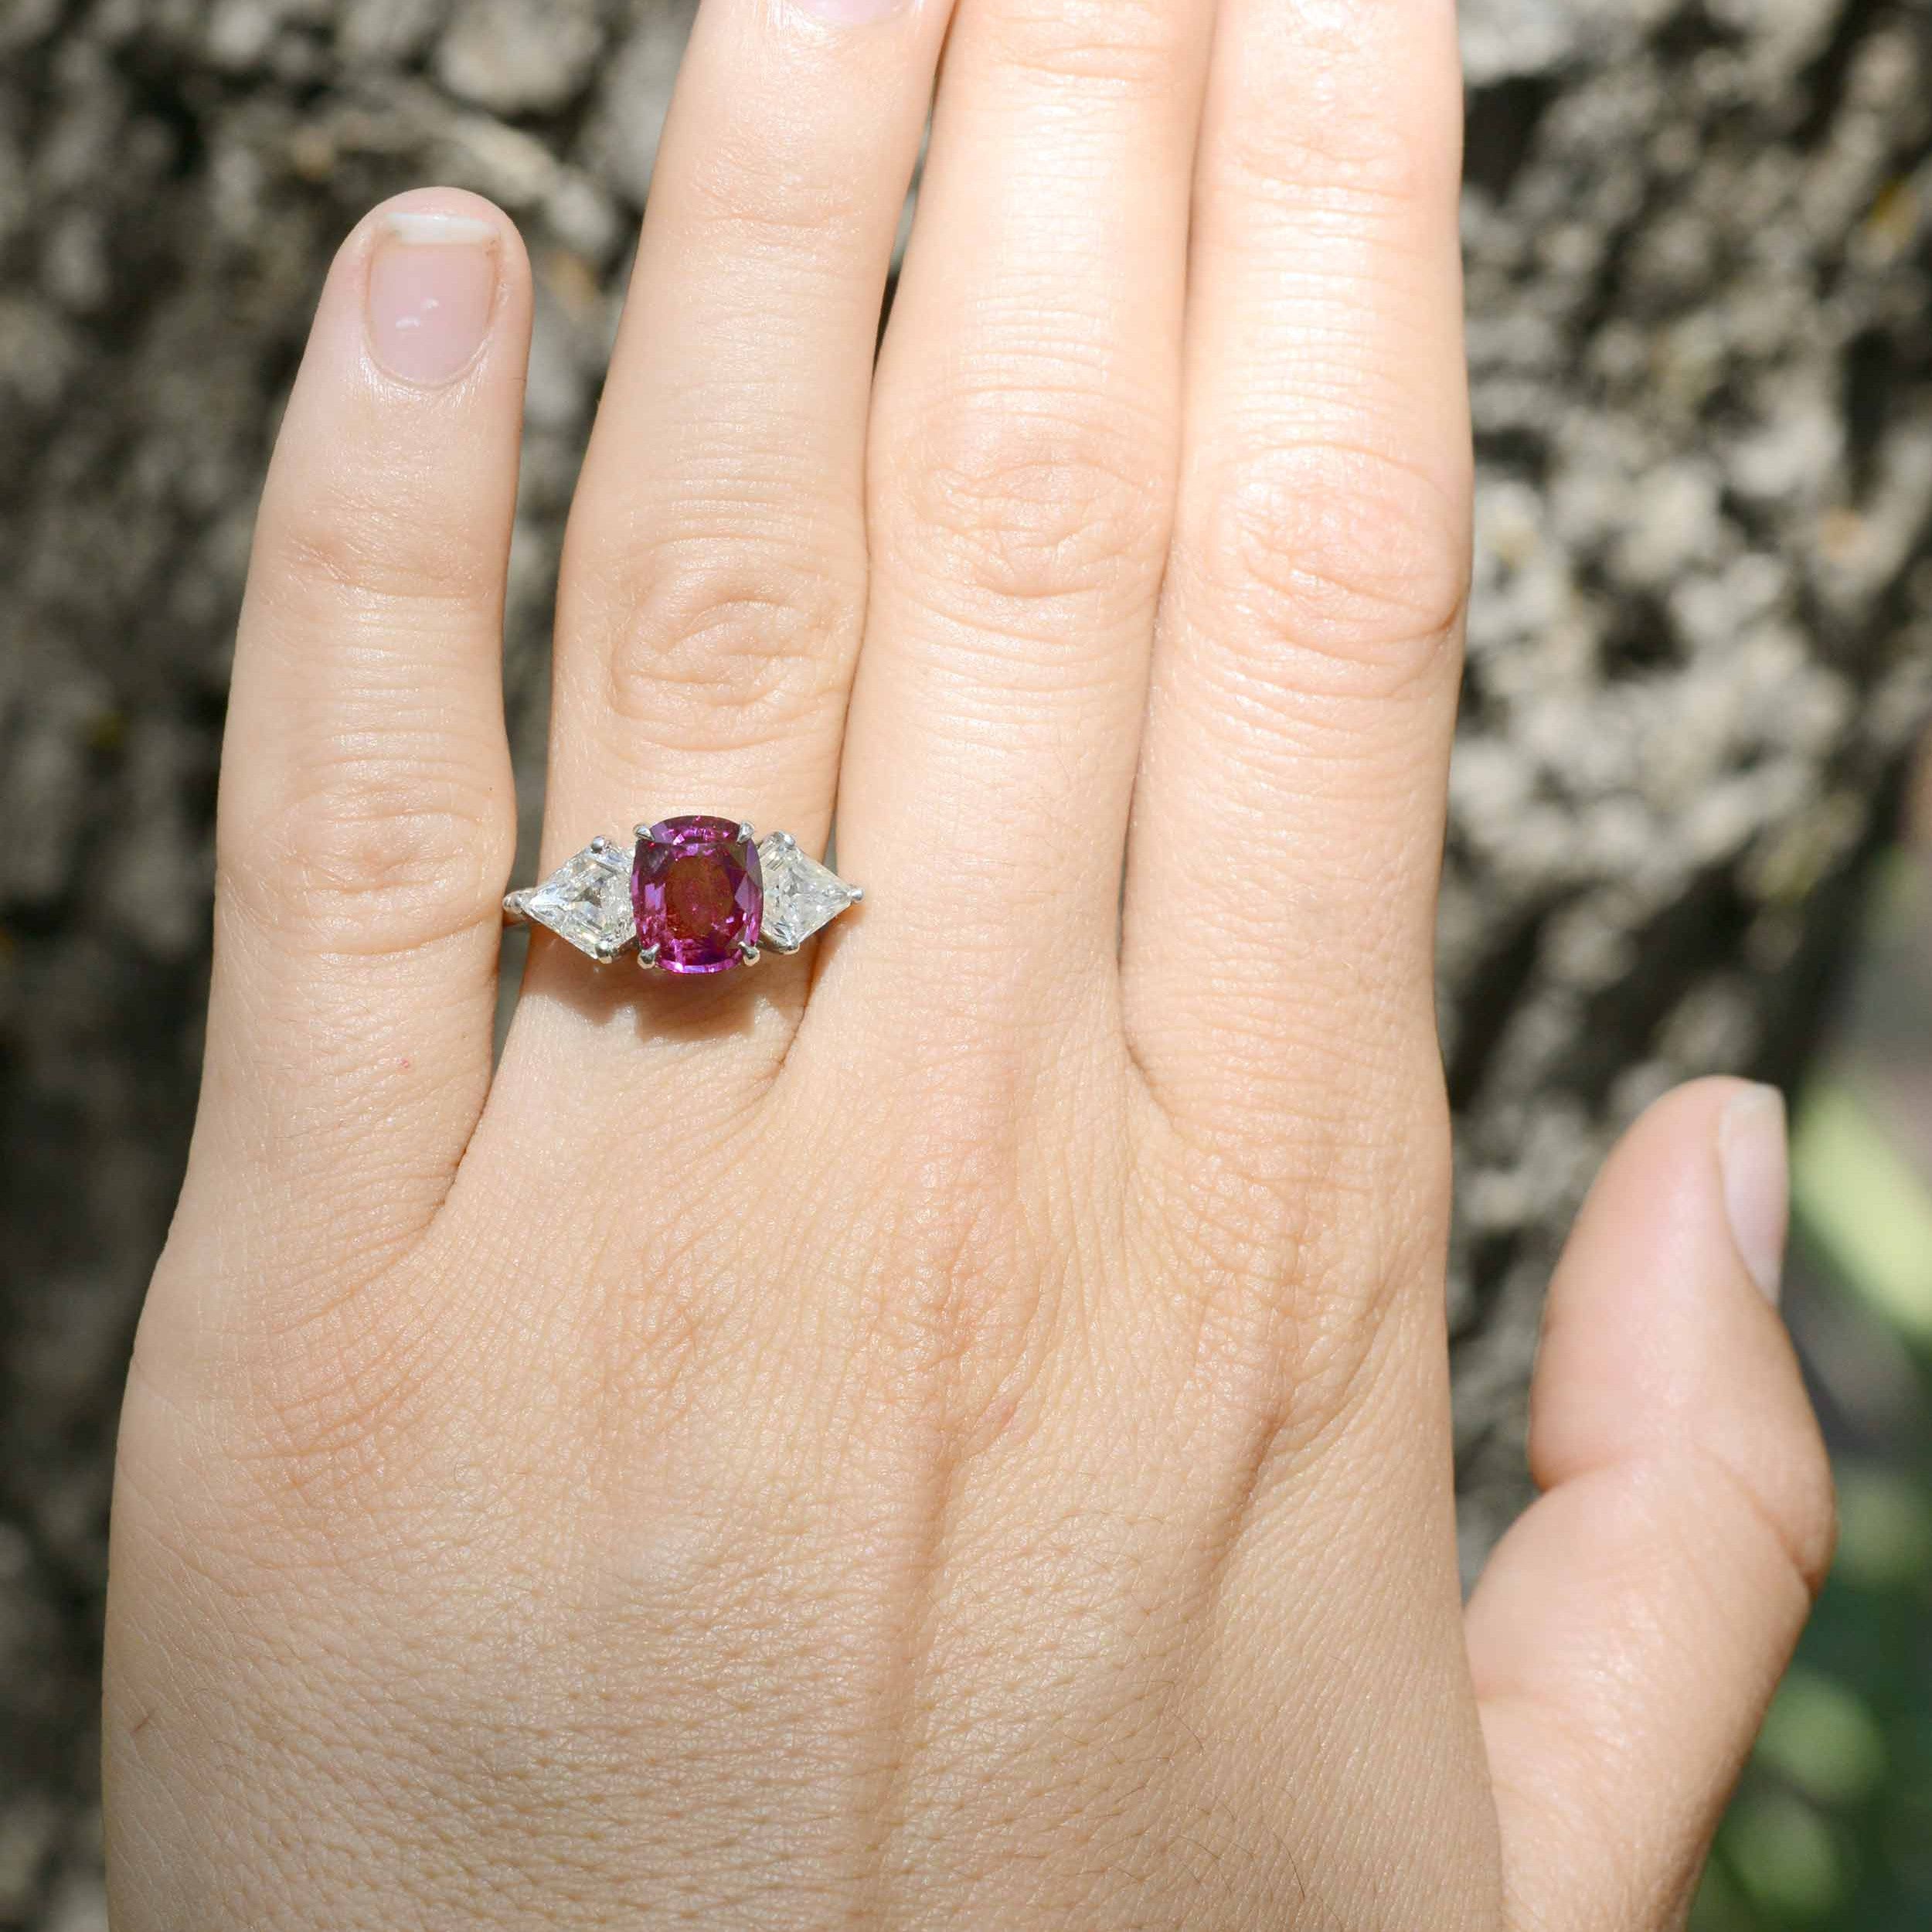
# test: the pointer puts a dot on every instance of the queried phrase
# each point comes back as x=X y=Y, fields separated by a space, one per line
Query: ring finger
x=714 y=576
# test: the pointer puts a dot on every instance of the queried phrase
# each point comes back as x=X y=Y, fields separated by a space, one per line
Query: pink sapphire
x=699 y=892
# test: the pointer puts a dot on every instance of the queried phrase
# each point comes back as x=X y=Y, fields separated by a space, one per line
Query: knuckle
x=1305 y=1249
x=749 y=188
x=1109 y=41
x=1800 y=1503
x=1712 y=1510
x=326 y=1409
x=363 y=856
x=381 y=546
x=331 y=1435
x=1355 y=562
x=1028 y=498
x=727 y=640
x=1353 y=116
x=1353 y=166
x=960 y=1304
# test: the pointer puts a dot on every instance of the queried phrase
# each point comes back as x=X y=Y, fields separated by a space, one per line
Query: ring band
x=695 y=895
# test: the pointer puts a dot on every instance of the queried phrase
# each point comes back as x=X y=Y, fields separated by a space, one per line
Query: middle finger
x=714 y=573
x=1024 y=448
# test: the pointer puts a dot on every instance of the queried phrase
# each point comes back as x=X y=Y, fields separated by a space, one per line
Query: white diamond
x=587 y=901
x=801 y=896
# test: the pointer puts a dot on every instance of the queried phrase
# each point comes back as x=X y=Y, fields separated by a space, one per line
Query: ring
x=696 y=895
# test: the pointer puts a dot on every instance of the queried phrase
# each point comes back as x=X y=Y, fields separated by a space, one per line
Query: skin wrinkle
x=715 y=627
x=1034 y=509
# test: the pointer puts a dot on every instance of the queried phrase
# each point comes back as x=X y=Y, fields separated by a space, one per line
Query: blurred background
x=1684 y=835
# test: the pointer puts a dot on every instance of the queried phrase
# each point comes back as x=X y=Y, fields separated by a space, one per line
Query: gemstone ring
x=695 y=895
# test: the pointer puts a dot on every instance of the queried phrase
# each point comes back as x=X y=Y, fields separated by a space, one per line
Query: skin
x=951 y=1430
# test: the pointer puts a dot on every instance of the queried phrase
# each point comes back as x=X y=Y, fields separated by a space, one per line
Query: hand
x=950 y=1429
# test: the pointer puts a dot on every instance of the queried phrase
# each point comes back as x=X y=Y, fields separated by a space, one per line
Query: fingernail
x=432 y=286
x=852 y=13
x=1753 y=1156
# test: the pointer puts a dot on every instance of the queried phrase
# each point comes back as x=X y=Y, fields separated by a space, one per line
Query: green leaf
x=1862 y=1202
x=1884 y=1528
x=1786 y=1857
x=1821 y=1736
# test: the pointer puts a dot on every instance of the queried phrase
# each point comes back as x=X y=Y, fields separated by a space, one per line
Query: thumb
x=1628 y=1633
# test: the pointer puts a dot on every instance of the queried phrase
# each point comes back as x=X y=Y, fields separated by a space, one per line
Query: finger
x=714 y=571
x=1023 y=453
x=1288 y=821
x=1630 y=1628
x=366 y=819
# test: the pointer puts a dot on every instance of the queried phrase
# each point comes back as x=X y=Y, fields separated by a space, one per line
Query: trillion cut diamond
x=587 y=901
x=802 y=896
